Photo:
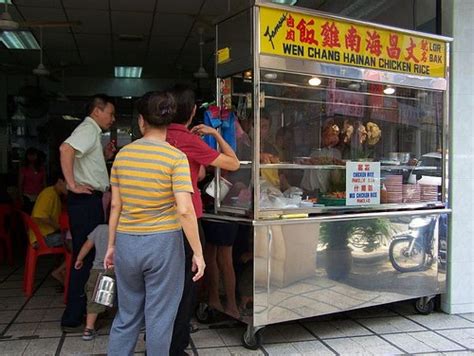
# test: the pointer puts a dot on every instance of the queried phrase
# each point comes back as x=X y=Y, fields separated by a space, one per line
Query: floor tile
x=364 y=345
x=11 y=284
x=48 y=329
x=2 y=327
x=45 y=302
x=74 y=344
x=53 y=314
x=218 y=351
x=21 y=330
x=390 y=325
x=13 y=347
x=286 y=333
x=12 y=292
x=42 y=347
x=48 y=291
x=312 y=348
x=11 y=303
x=438 y=321
x=207 y=338
x=464 y=337
x=339 y=328
x=242 y=351
x=231 y=336
x=28 y=316
x=469 y=316
x=281 y=349
x=99 y=344
x=426 y=341
x=15 y=277
x=7 y=315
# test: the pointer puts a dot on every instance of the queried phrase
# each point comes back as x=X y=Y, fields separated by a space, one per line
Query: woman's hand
x=198 y=266
x=109 y=258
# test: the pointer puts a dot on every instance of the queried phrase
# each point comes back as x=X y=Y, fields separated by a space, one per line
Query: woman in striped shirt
x=151 y=203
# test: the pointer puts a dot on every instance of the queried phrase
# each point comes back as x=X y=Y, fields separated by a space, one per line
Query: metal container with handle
x=104 y=291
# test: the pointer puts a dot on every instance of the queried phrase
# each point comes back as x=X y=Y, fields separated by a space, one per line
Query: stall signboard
x=362 y=183
x=297 y=35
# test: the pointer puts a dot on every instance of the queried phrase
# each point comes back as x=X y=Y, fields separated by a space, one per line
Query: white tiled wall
x=460 y=25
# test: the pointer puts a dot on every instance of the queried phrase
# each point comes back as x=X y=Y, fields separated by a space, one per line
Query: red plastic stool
x=32 y=255
x=5 y=236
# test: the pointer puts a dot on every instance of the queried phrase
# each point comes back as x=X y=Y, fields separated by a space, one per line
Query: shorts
x=54 y=239
x=93 y=307
x=220 y=233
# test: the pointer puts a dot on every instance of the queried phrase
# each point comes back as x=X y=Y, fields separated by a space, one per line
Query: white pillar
x=458 y=22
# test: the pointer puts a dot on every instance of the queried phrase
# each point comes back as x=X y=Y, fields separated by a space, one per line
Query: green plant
x=365 y=233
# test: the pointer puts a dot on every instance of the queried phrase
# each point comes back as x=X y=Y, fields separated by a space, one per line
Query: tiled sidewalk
x=31 y=327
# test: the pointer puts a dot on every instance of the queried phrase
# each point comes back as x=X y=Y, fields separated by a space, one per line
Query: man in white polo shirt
x=85 y=172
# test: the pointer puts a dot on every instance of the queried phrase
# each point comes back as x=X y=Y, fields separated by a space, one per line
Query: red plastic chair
x=32 y=255
x=6 y=253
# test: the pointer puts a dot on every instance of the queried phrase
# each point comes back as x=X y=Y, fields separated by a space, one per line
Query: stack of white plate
x=411 y=193
x=393 y=184
x=429 y=192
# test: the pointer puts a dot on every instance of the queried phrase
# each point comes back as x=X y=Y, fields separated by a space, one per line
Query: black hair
x=55 y=175
x=185 y=102
x=98 y=101
x=157 y=108
x=38 y=163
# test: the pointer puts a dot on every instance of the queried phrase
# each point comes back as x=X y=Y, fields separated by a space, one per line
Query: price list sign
x=362 y=183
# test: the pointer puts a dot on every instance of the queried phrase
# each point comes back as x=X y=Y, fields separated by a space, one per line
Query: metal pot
x=403 y=157
x=104 y=291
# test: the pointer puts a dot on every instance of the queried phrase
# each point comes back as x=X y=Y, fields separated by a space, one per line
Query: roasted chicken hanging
x=373 y=133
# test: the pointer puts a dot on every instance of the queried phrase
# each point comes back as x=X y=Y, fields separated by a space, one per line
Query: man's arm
x=67 y=165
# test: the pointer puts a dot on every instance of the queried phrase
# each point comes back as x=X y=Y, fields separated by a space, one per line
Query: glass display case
x=341 y=128
x=309 y=135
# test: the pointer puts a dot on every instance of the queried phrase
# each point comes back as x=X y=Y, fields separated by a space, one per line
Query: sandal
x=88 y=334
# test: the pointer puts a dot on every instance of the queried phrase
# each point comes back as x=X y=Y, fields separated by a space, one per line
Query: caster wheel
x=204 y=314
x=252 y=340
x=424 y=307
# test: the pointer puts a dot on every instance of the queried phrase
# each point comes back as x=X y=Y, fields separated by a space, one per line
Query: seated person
x=324 y=180
x=46 y=212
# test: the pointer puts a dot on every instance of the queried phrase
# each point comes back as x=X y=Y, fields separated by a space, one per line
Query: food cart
x=342 y=135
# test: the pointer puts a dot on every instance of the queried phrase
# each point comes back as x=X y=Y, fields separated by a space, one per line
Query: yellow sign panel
x=223 y=55
x=291 y=34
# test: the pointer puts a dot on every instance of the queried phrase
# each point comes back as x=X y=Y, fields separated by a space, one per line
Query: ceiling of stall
x=160 y=35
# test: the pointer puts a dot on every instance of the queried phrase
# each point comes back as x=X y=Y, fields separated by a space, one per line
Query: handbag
x=105 y=289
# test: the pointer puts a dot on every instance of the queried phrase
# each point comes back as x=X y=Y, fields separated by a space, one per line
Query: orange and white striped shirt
x=147 y=174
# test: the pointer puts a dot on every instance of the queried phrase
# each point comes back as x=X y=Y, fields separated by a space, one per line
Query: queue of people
x=153 y=242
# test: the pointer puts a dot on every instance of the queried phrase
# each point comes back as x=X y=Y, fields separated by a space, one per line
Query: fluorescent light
x=389 y=90
x=9 y=2
x=314 y=81
x=19 y=40
x=285 y=2
x=128 y=72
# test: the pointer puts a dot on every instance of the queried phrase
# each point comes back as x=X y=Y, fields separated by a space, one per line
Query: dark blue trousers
x=85 y=213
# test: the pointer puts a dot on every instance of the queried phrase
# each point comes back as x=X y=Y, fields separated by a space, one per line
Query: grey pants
x=149 y=271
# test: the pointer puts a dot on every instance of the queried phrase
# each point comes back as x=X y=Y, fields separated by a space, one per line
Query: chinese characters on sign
x=362 y=183
x=309 y=37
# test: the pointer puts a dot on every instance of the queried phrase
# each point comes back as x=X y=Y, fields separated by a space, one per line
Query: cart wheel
x=424 y=306
x=204 y=314
x=252 y=339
